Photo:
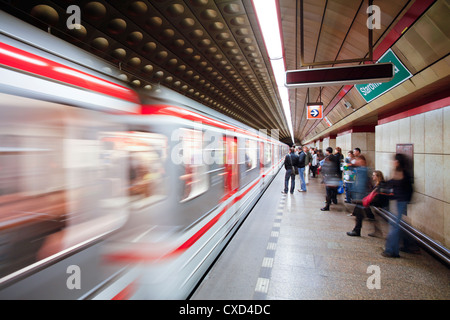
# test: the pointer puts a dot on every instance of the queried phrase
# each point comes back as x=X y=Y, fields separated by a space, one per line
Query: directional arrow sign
x=314 y=111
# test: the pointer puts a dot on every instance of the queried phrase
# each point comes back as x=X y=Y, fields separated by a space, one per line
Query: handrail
x=429 y=244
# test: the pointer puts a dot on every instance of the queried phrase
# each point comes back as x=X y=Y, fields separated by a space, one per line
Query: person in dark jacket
x=291 y=162
x=330 y=171
x=401 y=184
x=301 y=170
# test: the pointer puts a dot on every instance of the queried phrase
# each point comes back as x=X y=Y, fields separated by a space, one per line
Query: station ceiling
x=213 y=52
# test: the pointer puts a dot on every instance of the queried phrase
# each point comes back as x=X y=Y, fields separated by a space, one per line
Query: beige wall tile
x=384 y=145
x=433 y=214
x=419 y=172
x=446 y=132
x=404 y=130
x=446 y=177
x=383 y=162
x=434 y=131
x=434 y=177
x=385 y=137
x=418 y=133
x=340 y=142
x=447 y=224
x=370 y=138
x=332 y=143
x=378 y=130
x=416 y=209
x=359 y=140
x=393 y=136
x=325 y=144
x=370 y=159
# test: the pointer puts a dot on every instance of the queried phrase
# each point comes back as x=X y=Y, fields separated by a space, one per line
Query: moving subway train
x=107 y=193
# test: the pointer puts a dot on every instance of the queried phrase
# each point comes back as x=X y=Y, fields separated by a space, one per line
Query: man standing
x=290 y=164
x=301 y=170
x=308 y=159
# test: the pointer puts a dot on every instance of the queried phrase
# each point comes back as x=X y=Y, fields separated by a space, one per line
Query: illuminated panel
x=370 y=73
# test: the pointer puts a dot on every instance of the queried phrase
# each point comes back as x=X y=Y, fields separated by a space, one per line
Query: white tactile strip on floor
x=263 y=282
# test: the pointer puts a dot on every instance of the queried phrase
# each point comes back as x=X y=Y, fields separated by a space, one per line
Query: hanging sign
x=314 y=111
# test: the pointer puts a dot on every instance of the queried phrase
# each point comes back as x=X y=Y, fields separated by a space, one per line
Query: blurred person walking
x=401 y=184
x=330 y=170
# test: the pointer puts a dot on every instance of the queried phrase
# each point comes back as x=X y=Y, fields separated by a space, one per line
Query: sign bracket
x=321 y=63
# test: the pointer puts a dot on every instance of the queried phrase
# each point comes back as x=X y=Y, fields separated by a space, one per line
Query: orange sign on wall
x=314 y=111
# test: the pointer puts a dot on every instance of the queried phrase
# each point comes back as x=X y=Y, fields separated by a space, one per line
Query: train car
x=110 y=193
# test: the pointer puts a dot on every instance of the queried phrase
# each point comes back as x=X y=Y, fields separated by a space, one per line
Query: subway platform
x=288 y=249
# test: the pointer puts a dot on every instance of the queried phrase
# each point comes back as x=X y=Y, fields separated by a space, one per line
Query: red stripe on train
x=19 y=59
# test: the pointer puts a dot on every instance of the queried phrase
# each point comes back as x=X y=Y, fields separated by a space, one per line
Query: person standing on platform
x=308 y=159
x=401 y=184
x=330 y=170
x=301 y=170
x=290 y=164
x=349 y=177
x=356 y=153
x=314 y=162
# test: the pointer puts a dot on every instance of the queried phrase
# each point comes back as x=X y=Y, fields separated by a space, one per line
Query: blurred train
x=107 y=193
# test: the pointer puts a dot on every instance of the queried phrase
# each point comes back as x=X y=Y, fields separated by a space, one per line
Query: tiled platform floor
x=288 y=249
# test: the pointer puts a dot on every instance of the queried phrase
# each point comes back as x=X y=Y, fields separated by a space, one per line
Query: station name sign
x=372 y=91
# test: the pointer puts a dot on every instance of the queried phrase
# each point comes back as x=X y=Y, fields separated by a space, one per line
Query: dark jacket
x=301 y=161
x=330 y=171
x=308 y=158
x=290 y=160
x=381 y=200
x=403 y=189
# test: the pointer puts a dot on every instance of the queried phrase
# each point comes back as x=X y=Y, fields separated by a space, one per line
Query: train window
x=195 y=176
x=251 y=153
x=147 y=153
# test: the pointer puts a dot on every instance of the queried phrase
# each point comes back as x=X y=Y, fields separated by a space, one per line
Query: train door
x=273 y=154
x=231 y=165
x=261 y=157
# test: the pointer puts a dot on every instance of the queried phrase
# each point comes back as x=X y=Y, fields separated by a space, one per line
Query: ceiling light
x=269 y=23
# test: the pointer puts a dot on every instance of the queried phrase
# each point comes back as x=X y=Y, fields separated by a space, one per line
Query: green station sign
x=372 y=91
